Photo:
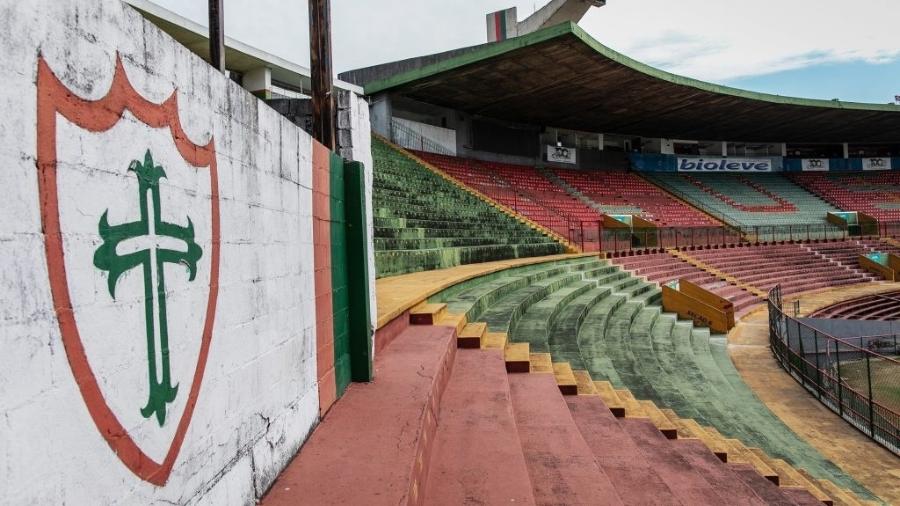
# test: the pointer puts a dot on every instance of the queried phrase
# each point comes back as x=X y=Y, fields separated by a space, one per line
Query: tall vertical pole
x=216 y=35
x=320 y=68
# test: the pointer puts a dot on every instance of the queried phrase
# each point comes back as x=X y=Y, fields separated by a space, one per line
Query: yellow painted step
x=585 y=383
x=610 y=398
x=541 y=363
x=684 y=431
x=517 y=357
x=632 y=406
x=791 y=478
x=471 y=334
x=714 y=442
x=840 y=496
x=741 y=454
x=662 y=423
x=427 y=314
x=457 y=321
x=494 y=340
x=565 y=378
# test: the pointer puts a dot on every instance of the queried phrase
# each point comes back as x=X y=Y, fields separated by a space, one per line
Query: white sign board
x=725 y=164
x=816 y=164
x=561 y=154
x=876 y=163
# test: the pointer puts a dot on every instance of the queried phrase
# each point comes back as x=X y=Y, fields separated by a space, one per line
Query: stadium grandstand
x=591 y=258
x=595 y=282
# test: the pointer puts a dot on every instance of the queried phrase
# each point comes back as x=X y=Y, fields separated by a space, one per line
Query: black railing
x=623 y=240
x=857 y=383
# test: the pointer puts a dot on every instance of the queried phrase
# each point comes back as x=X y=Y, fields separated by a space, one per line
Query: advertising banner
x=726 y=164
x=816 y=164
x=876 y=163
x=561 y=154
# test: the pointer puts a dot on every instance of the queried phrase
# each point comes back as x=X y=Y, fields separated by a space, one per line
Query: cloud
x=717 y=40
x=730 y=39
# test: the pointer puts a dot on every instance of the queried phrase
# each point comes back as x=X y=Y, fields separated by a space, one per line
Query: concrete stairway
x=609 y=323
x=461 y=414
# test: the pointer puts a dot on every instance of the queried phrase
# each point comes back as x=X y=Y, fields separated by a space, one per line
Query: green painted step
x=563 y=340
x=533 y=327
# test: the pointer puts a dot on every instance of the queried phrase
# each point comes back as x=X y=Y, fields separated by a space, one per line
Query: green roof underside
x=562 y=77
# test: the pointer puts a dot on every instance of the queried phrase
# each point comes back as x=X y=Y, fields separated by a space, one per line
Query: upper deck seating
x=752 y=200
x=874 y=193
x=423 y=221
x=620 y=192
x=520 y=187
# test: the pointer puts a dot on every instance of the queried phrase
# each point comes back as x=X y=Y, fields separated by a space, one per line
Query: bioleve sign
x=725 y=164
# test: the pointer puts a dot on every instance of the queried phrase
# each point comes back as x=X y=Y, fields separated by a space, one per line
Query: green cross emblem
x=149 y=243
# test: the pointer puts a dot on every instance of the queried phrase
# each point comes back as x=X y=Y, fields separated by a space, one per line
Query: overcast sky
x=813 y=48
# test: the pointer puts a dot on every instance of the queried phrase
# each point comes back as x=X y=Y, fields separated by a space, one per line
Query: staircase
x=571 y=190
x=474 y=404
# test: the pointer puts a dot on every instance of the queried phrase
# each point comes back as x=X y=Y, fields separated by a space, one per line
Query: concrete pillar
x=846 y=150
x=259 y=82
x=724 y=148
x=783 y=149
x=380 y=115
x=600 y=142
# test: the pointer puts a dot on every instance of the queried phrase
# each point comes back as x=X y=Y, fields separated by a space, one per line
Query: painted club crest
x=130 y=210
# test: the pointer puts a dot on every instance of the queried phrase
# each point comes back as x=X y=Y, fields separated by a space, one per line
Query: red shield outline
x=98 y=116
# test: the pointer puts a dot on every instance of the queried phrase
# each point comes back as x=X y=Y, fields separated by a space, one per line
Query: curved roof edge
x=488 y=51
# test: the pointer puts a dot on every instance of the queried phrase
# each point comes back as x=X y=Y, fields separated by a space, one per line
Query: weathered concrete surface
x=258 y=399
x=864 y=460
x=374 y=445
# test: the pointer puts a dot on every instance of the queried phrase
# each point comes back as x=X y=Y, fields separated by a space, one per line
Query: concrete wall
x=75 y=370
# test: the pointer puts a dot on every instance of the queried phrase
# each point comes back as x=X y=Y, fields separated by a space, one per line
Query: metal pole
x=216 y=35
x=871 y=395
x=840 y=387
x=320 y=69
x=818 y=366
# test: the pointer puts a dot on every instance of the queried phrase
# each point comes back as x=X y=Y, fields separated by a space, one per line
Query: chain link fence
x=857 y=378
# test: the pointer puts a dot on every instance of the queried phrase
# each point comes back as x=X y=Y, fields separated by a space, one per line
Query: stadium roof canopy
x=561 y=77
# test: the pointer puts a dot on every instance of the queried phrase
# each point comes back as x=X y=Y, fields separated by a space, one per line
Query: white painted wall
x=258 y=399
x=362 y=152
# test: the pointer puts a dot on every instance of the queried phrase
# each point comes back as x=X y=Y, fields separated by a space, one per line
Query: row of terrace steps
x=667 y=266
x=571 y=190
x=794 y=266
x=479 y=195
x=398 y=440
x=424 y=220
x=575 y=441
x=882 y=307
x=627 y=306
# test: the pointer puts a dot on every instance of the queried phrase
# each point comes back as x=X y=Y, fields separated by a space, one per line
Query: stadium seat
x=874 y=193
x=771 y=202
x=424 y=222
x=620 y=192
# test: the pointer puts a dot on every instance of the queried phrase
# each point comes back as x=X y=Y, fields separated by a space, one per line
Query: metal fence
x=859 y=383
x=614 y=240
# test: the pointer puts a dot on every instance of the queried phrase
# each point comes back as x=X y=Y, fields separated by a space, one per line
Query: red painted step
x=618 y=456
x=770 y=492
x=720 y=476
x=372 y=446
x=802 y=497
x=686 y=482
x=560 y=462
x=477 y=454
